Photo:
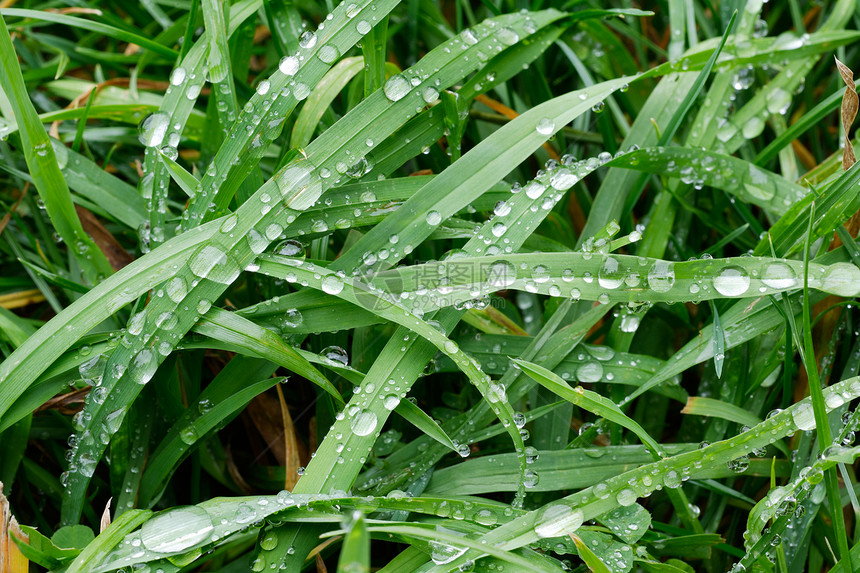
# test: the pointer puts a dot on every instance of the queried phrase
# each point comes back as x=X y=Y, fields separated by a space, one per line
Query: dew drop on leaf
x=176 y=530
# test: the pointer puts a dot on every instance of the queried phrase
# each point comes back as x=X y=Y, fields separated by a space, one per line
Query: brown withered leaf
x=68 y=403
x=116 y=255
x=11 y=559
x=291 y=444
x=849 y=112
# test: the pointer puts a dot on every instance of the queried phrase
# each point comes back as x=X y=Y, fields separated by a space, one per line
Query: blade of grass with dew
x=621 y=278
x=822 y=425
x=365 y=421
x=233 y=329
x=328 y=88
x=836 y=203
x=97 y=27
x=169 y=122
x=118 y=199
x=740 y=178
x=569 y=469
x=218 y=62
x=627 y=487
x=42 y=164
x=291 y=83
x=219 y=263
x=407 y=366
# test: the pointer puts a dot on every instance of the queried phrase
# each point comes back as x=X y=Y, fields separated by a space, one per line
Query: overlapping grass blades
x=367 y=276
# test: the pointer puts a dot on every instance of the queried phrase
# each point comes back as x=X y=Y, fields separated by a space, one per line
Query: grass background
x=429 y=286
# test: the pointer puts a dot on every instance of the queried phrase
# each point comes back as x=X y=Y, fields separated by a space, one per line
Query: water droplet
x=332 y=284
x=263 y=87
x=661 y=277
x=545 y=126
x=362 y=27
x=143 y=366
x=535 y=189
x=396 y=87
x=501 y=274
x=557 y=520
x=759 y=185
x=590 y=372
x=176 y=289
x=803 y=416
x=779 y=276
x=364 y=423
x=135 y=323
x=507 y=36
x=739 y=465
x=210 y=262
x=563 y=179
x=753 y=127
x=269 y=541
x=328 y=54
x=732 y=281
x=671 y=479
x=610 y=275
x=299 y=187
x=176 y=530
x=335 y=354
x=153 y=128
x=290 y=248
x=308 y=40
x=289 y=65
x=433 y=218
x=626 y=497
x=841 y=279
x=189 y=435
x=391 y=401
x=177 y=76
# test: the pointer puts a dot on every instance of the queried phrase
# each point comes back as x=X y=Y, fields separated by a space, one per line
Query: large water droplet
x=364 y=423
x=176 y=289
x=210 y=262
x=308 y=40
x=176 y=530
x=299 y=187
x=153 y=128
x=501 y=274
x=177 y=76
x=610 y=275
x=779 y=275
x=590 y=372
x=335 y=354
x=758 y=185
x=626 y=497
x=289 y=65
x=803 y=416
x=841 y=279
x=557 y=520
x=661 y=277
x=328 y=54
x=545 y=126
x=332 y=284
x=143 y=366
x=732 y=281
x=396 y=87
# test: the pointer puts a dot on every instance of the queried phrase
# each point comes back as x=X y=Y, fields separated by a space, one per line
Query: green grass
x=429 y=286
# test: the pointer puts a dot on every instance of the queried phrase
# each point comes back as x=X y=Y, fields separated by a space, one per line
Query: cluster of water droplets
x=779 y=96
